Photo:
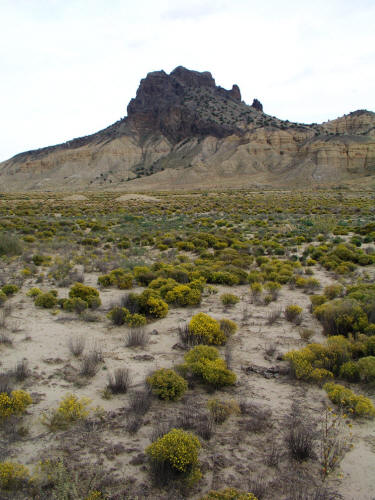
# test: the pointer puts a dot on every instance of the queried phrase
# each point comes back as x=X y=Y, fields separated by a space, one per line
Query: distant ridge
x=185 y=132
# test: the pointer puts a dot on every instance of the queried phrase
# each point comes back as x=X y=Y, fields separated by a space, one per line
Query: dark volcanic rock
x=235 y=93
x=257 y=105
x=182 y=104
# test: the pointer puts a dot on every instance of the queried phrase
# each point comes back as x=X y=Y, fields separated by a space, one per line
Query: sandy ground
x=139 y=197
x=234 y=455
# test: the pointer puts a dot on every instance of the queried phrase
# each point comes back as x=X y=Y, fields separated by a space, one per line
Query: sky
x=68 y=68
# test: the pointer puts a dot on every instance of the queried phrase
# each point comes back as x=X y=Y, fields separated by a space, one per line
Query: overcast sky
x=70 y=67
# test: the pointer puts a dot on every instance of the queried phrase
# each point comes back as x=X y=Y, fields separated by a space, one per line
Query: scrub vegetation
x=204 y=345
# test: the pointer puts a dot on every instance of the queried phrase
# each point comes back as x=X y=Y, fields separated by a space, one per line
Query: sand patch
x=75 y=197
x=139 y=197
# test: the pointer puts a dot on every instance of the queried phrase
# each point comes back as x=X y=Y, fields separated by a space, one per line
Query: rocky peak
x=235 y=93
x=184 y=104
x=193 y=78
x=257 y=105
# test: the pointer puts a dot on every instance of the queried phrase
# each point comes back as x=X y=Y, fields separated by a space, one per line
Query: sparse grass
x=5 y=338
x=90 y=363
x=119 y=382
x=6 y=383
x=300 y=442
x=77 y=345
x=306 y=333
x=273 y=316
x=140 y=401
x=137 y=337
x=21 y=370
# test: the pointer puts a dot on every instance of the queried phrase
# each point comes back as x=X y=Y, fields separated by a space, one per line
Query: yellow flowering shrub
x=207 y=329
x=15 y=404
x=157 y=308
x=320 y=375
x=167 y=384
x=328 y=357
x=70 y=410
x=229 y=494
x=301 y=362
x=94 y=495
x=183 y=295
x=342 y=396
x=12 y=475
x=178 y=449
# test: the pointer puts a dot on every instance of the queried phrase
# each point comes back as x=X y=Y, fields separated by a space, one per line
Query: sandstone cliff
x=184 y=131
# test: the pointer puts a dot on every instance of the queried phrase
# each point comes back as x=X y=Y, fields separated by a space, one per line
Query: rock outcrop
x=184 y=131
x=257 y=105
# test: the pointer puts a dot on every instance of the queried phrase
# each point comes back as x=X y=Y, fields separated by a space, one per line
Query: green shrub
x=144 y=275
x=87 y=293
x=370 y=330
x=118 y=315
x=273 y=288
x=176 y=454
x=3 y=297
x=10 y=289
x=206 y=329
x=366 y=367
x=333 y=291
x=329 y=357
x=341 y=317
x=204 y=362
x=13 y=475
x=369 y=343
x=228 y=327
x=104 y=280
x=117 y=277
x=121 y=315
x=201 y=352
x=9 y=245
x=229 y=299
x=228 y=494
x=350 y=371
x=293 y=313
x=223 y=278
x=221 y=410
x=34 y=292
x=46 y=300
x=183 y=295
x=340 y=395
x=167 y=384
x=38 y=260
x=76 y=304
x=321 y=375
x=317 y=300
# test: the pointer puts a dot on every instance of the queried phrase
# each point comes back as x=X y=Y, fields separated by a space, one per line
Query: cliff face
x=183 y=131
